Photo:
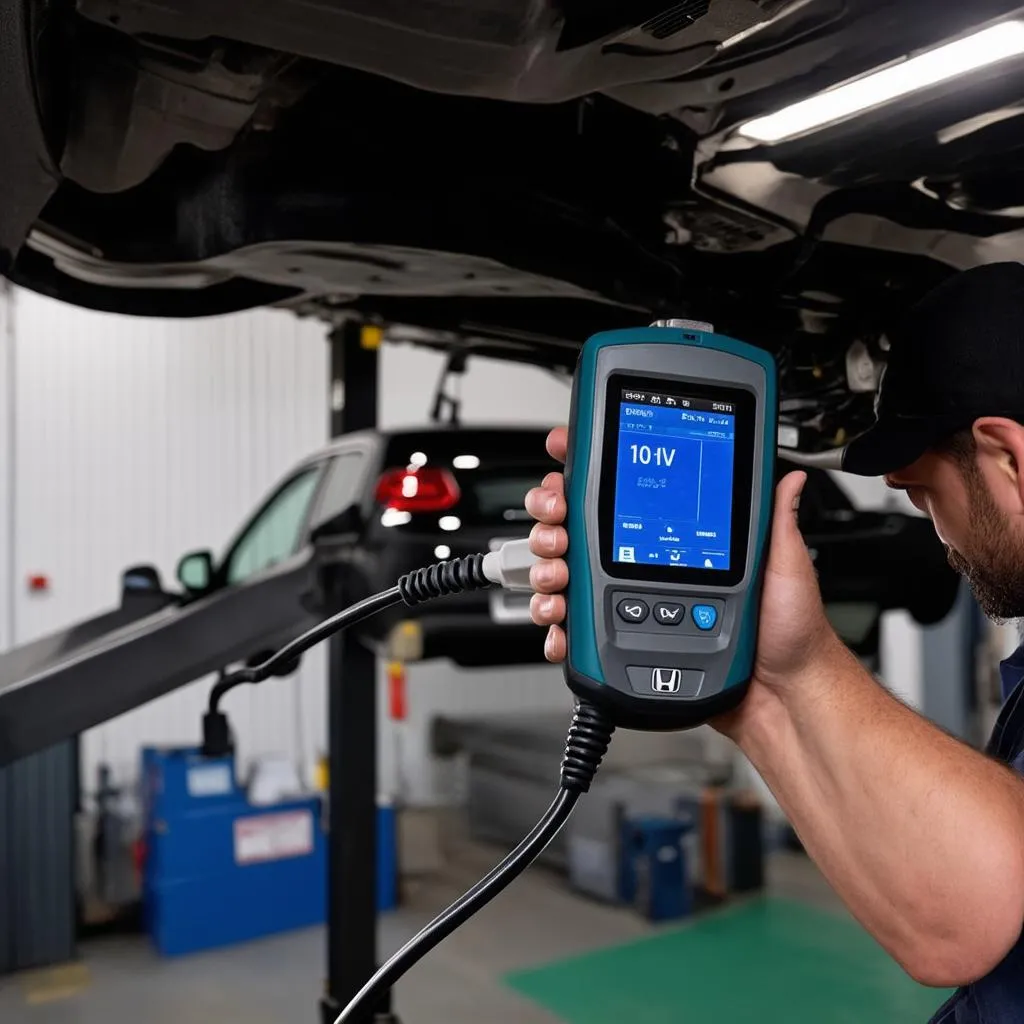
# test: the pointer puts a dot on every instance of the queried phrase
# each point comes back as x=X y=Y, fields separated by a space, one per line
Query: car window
x=275 y=533
x=341 y=488
x=500 y=498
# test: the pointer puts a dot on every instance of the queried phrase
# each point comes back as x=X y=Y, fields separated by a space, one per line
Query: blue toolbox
x=653 y=872
x=219 y=870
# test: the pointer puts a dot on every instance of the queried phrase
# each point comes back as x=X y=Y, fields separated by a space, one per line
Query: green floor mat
x=766 y=962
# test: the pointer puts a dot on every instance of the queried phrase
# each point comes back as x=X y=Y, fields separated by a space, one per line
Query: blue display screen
x=674 y=481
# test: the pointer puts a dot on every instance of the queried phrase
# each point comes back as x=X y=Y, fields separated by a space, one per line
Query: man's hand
x=549 y=541
x=794 y=629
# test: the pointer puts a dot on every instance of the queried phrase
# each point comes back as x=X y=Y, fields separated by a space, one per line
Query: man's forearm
x=921 y=836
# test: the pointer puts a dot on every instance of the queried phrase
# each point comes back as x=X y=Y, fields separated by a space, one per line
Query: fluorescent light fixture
x=990 y=45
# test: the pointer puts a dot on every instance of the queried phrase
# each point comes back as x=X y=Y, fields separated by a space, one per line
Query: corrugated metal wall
x=137 y=440
x=6 y=463
x=37 y=867
x=38 y=794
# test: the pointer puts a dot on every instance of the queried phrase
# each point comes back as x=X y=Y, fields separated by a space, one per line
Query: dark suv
x=375 y=505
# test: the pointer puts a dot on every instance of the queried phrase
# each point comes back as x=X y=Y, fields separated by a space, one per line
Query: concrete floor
x=278 y=980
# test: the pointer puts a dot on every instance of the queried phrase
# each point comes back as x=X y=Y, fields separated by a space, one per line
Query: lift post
x=351 y=725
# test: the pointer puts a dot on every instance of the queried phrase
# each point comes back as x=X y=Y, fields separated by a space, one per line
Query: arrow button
x=669 y=614
x=630 y=609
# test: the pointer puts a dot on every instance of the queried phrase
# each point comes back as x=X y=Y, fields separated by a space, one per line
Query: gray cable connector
x=509 y=564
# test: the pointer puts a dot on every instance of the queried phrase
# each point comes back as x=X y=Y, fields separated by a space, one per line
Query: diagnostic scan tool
x=669 y=486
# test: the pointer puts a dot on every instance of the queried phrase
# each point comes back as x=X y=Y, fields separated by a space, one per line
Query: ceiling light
x=417 y=459
x=449 y=523
x=992 y=44
x=442 y=551
x=466 y=462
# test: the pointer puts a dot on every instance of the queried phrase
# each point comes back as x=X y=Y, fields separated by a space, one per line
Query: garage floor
x=488 y=971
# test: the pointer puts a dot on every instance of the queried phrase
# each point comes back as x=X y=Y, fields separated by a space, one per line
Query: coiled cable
x=451 y=577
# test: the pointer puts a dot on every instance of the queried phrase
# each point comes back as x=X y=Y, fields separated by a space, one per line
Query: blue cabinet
x=219 y=870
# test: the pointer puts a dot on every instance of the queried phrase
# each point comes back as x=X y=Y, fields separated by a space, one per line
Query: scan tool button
x=704 y=616
x=669 y=614
x=630 y=609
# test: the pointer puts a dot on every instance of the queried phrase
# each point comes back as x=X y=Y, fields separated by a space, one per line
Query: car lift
x=351 y=704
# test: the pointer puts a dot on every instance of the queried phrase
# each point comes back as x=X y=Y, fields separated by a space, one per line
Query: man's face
x=972 y=506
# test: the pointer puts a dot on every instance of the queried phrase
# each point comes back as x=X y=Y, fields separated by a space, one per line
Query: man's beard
x=994 y=567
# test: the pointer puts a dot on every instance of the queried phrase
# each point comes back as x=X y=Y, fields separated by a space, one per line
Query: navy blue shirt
x=998 y=998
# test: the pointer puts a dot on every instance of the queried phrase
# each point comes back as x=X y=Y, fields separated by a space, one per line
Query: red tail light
x=422 y=489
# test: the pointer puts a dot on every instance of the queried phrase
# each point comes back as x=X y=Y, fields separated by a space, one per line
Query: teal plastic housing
x=583 y=656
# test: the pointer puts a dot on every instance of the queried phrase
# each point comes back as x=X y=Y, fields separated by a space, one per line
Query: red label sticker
x=271 y=837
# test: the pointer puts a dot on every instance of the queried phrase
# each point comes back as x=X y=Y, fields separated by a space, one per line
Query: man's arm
x=922 y=837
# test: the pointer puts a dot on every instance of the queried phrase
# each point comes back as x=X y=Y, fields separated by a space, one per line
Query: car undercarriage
x=508 y=176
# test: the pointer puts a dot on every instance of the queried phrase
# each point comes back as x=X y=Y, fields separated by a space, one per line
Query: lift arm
x=63 y=684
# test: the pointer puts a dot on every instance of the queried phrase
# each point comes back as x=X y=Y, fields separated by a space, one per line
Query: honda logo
x=666 y=680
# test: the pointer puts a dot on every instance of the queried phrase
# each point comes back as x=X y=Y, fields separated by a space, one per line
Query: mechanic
x=920 y=835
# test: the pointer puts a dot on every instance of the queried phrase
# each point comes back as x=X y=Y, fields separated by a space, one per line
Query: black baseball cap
x=955 y=356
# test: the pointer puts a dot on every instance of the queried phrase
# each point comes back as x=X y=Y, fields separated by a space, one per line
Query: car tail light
x=418 y=489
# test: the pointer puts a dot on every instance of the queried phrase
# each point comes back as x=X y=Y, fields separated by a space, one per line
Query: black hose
x=586 y=745
x=290 y=652
x=452 y=577
x=372 y=993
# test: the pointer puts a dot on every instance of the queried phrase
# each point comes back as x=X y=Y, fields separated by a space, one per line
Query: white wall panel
x=138 y=440
x=6 y=465
x=492 y=391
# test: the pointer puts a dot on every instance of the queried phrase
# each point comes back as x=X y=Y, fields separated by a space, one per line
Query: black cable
x=349 y=617
x=586 y=745
x=372 y=993
x=451 y=577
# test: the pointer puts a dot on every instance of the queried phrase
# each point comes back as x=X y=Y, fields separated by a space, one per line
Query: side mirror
x=140 y=581
x=195 y=571
x=348 y=523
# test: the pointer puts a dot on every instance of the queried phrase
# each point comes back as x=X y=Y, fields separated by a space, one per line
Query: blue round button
x=704 y=616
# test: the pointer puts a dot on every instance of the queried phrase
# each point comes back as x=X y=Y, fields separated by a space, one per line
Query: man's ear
x=1000 y=443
